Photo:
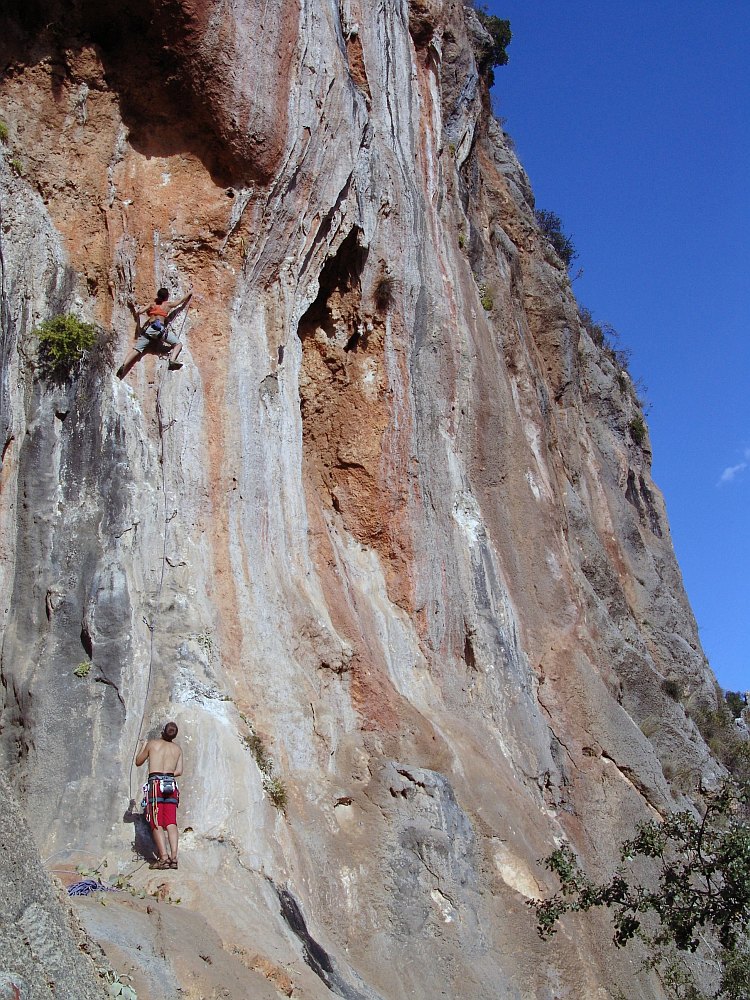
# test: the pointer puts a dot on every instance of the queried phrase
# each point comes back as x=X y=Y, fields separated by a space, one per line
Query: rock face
x=390 y=520
x=42 y=945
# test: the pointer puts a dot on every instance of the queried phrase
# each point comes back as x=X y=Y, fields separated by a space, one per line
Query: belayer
x=156 y=332
x=162 y=796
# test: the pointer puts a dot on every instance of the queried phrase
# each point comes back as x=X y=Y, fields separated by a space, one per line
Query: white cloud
x=731 y=472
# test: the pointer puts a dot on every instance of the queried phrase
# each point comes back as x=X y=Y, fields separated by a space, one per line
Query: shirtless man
x=164 y=765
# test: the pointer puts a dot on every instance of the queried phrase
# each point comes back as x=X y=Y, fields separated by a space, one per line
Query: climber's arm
x=142 y=755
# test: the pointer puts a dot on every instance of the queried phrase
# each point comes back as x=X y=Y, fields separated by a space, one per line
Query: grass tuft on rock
x=273 y=785
x=638 y=430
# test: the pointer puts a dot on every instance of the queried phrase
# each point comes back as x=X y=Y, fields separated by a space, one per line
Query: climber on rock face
x=163 y=796
x=156 y=332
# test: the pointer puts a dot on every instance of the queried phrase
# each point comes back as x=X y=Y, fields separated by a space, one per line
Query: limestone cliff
x=390 y=517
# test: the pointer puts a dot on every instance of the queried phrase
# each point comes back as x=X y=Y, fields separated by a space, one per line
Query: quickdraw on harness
x=159 y=788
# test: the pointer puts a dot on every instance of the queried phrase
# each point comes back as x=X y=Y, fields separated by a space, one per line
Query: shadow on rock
x=143 y=842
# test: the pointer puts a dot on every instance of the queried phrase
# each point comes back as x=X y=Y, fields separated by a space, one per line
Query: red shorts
x=162 y=801
x=166 y=815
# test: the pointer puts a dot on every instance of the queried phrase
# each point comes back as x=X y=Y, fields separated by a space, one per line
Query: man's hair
x=169 y=732
x=162 y=295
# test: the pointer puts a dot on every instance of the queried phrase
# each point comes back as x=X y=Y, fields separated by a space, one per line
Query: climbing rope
x=88 y=885
x=149 y=624
x=184 y=310
x=93 y=882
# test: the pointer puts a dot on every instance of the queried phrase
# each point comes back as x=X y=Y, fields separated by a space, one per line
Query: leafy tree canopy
x=736 y=702
x=500 y=33
x=63 y=342
x=682 y=882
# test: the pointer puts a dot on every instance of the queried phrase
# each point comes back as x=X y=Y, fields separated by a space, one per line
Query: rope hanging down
x=149 y=624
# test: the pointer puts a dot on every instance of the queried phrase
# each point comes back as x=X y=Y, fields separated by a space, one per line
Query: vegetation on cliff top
x=551 y=226
x=718 y=728
x=603 y=335
x=499 y=31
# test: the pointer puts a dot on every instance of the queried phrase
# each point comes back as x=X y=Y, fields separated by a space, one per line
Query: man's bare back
x=163 y=757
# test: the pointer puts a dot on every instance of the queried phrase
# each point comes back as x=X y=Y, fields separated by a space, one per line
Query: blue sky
x=633 y=122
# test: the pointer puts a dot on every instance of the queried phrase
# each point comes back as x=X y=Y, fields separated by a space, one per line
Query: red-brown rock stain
x=236 y=63
x=356 y=467
x=100 y=194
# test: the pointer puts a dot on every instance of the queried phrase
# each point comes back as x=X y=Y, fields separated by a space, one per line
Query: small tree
x=63 y=342
x=736 y=702
x=681 y=881
x=500 y=33
x=551 y=226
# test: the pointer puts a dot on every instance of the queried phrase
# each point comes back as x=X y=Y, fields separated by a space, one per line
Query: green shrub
x=551 y=226
x=735 y=977
x=595 y=330
x=63 y=342
x=727 y=744
x=272 y=783
x=83 y=669
x=276 y=791
x=681 y=885
x=4 y=133
x=488 y=303
x=736 y=702
x=16 y=166
x=605 y=336
x=461 y=241
x=637 y=429
x=257 y=748
x=499 y=31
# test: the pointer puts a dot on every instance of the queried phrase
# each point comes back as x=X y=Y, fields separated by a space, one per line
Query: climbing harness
x=155 y=330
x=157 y=325
x=160 y=789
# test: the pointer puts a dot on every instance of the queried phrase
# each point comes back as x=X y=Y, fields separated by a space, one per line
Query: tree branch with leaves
x=681 y=883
